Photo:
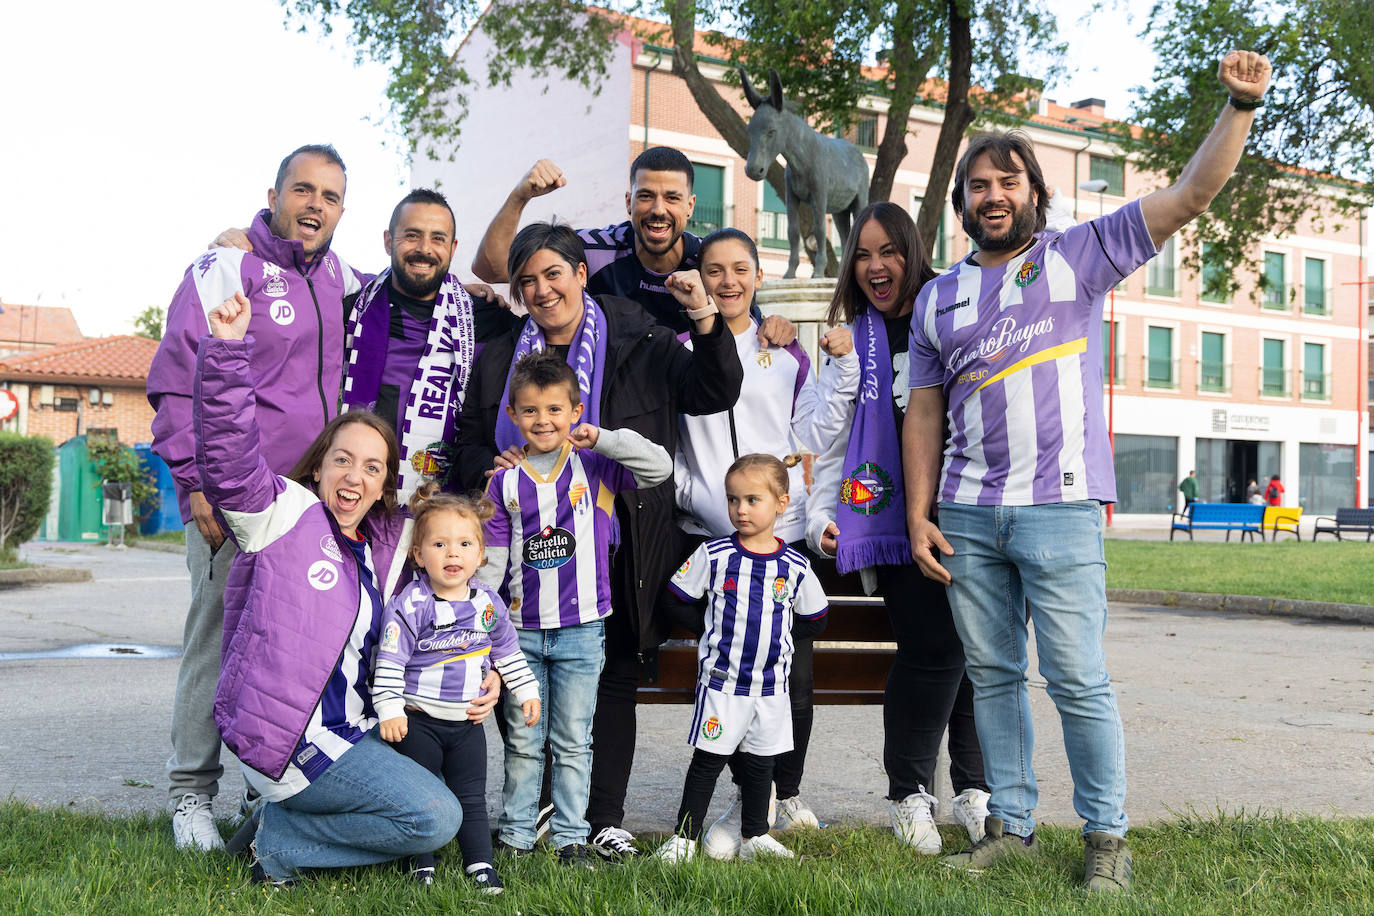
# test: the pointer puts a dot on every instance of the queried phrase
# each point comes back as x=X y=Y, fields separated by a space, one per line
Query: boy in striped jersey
x=753 y=583
x=440 y=637
x=548 y=546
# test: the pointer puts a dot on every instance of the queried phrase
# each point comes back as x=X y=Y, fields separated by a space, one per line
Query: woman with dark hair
x=319 y=550
x=635 y=374
x=857 y=514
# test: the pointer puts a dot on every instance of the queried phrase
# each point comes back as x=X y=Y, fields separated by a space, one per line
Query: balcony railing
x=1161 y=281
x=1316 y=386
x=707 y=218
x=1119 y=370
x=1160 y=372
x=772 y=229
x=1213 y=376
x=1278 y=297
x=1273 y=382
x=1316 y=301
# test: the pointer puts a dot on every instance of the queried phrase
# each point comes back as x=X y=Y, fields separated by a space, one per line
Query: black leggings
x=754 y=775
x=457 y=753
x=926 y=688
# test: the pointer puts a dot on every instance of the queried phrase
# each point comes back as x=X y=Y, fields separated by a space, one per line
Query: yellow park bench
x=1279 y=519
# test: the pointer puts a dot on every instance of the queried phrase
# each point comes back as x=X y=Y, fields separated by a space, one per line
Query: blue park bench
x=1347 y=521
x=1228 y=517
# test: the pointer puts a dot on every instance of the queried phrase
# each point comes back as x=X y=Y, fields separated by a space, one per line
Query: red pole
x=1111 y=393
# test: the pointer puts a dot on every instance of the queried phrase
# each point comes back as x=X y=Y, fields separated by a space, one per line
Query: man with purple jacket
x=296 y=286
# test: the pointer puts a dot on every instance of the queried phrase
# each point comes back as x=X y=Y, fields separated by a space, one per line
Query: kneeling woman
x=319 y=550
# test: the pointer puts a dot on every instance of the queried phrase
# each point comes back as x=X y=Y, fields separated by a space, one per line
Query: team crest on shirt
x=487 y=619
x=576 y=492
x=431 y=461
x=550 y=548
x=779 y=589
x=1028 y=274
x=391 y=637
x=711 y=729
x=764 y=359
x=867 y=490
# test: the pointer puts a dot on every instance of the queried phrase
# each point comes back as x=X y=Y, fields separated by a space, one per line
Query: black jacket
x=650 y=378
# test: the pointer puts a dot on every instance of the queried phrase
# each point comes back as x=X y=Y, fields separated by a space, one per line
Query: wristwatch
x=705 y=311
x=1245 y=104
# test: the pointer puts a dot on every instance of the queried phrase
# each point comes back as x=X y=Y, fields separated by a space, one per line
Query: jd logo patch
x=550 y=548
x=867 y=490
x=711 y=729
x=322 y=575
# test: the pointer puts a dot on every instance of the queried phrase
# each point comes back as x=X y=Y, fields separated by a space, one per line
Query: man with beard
x=413 y=336
x=297 y=287
x=1006 y=349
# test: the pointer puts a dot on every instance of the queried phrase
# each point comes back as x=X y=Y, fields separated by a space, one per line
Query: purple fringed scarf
x=435 y=399
x=587 y=356
x=871 y=513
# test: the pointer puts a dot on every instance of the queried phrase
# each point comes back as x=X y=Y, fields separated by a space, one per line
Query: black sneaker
x=614 y=843
x=514 y=852
x=423 y=876
x=488 y=881
x=577 y=855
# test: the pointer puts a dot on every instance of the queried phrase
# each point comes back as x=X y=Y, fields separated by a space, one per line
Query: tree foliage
x=25 y=488
x=1313 y=141
x=150 y=322
x=117 y=463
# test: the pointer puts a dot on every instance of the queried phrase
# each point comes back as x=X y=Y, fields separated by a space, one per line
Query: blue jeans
x=567 y=663
x=1051 y=557
x=371 y=805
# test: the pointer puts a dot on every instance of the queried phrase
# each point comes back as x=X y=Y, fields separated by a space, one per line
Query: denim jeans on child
x=371 y=805
x=1049 y=556
x=567 y=663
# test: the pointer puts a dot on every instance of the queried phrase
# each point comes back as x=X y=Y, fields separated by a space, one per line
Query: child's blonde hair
x=430 y=500
x=775 y=469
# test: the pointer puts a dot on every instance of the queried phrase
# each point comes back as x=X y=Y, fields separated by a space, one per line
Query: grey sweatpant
x=194 y=765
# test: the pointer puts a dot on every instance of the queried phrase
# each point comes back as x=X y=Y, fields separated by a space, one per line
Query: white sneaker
x=722 y=841
x=614 y=843
x=970 y=808
x=792 y=812
x=913 y=820
x=193 y=824
x=758 y=847
x=677 y=849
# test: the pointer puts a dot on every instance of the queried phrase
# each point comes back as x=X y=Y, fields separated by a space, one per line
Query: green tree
x=818 y=49
x=117 y=463
x=1312 y=144
x=150 y=322
x=25 y=488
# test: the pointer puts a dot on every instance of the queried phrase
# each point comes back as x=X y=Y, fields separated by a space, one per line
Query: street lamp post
x=1098 y=186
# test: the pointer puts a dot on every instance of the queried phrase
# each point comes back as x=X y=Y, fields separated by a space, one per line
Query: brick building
x=1269 y=381
x=70 y=389
x=36 y=327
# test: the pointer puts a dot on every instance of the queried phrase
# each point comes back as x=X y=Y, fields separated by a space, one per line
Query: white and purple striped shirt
x=558 y=528
x=1018 y=351
x=747 y=647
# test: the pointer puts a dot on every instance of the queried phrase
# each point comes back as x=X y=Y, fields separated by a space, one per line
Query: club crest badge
x=431 y=461
x=711 y=729
x=575 y=494
x=487 y=619
x=1028 y=274
x=779 y=589
x=867 y=490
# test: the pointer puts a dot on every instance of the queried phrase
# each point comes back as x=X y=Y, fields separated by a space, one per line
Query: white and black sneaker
x=614 y=843
x=486 y=879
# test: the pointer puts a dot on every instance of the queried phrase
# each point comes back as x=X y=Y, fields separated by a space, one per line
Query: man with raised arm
x=296 y=286
x=1006 y=349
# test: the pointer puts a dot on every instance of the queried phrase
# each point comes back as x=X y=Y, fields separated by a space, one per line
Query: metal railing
x=1213 y=376
x=1273 y=381
x=1160 y=372
x=772 y=229
x=1316 y=301
x=1316 y=386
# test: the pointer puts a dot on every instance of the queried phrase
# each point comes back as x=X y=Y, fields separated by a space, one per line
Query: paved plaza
x=1222 y=711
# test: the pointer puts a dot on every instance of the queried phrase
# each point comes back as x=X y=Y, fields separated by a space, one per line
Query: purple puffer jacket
x=298 y=334
x=293 y=591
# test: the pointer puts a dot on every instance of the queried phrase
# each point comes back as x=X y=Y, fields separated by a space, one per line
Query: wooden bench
x=1228 y=517
x=1282 y=520
x=850 y=659
x=1347 y=521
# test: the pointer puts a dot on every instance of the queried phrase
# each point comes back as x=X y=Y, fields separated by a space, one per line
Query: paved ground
x=1222 y=711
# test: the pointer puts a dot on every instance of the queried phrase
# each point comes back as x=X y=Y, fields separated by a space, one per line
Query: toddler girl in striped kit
x=440 y=636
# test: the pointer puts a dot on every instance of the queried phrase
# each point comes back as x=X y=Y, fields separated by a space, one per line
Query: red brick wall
x=130 y=415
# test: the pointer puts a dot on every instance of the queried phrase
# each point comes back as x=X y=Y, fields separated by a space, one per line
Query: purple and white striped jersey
x=1018 y=351
x=751 y=597
x=434 y=653
x=558 y=529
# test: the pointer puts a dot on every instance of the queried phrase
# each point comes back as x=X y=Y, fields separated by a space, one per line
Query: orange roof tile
x=124 y=358
x=43 y=325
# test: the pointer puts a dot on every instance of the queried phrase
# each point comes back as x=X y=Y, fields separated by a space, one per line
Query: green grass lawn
x=1323 y=571
x=56 y=861
x=177 y=536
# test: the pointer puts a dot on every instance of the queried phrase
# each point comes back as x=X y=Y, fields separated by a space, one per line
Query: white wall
x=508 y=129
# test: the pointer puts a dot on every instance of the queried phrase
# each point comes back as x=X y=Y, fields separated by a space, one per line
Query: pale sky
x=134 y=132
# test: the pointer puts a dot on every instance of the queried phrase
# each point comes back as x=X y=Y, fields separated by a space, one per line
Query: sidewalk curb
x=158 y=546
x=41 y=575
x=1245 y=604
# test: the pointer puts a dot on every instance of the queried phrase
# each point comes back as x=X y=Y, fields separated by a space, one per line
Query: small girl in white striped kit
x=753 y=584
x=440 y=636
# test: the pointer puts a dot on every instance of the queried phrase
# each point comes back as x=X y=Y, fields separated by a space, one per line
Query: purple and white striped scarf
x=871 y=512
x=435 y=398
x=587 y=356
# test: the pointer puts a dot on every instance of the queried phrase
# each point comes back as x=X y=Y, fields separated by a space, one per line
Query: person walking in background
x=1188 y=487
x=1254 y=494
x=1273 y=494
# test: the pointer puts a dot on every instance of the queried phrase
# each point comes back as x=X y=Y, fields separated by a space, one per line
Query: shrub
x=119 y=464
x=25 y=487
